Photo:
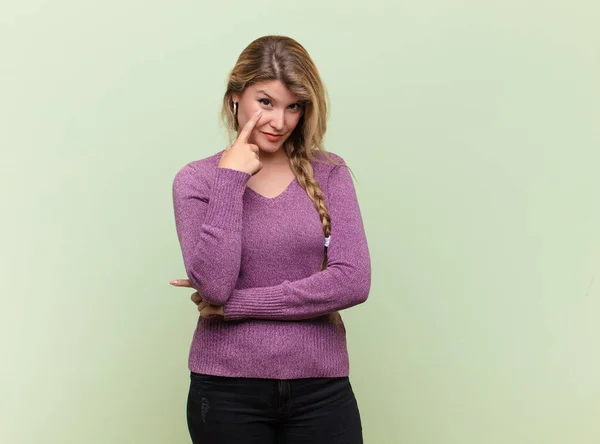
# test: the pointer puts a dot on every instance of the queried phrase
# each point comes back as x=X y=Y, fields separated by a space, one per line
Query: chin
x=270 y=148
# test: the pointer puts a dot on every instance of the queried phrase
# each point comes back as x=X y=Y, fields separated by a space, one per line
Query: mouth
x=272 y=137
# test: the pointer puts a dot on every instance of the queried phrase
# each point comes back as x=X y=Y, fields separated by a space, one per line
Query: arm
x=209 y=228
x=344 y=283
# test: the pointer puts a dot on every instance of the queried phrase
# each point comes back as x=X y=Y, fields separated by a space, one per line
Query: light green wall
x=473 y=130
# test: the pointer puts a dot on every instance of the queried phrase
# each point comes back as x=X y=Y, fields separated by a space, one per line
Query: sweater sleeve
x=344 y=283
x=208 y=220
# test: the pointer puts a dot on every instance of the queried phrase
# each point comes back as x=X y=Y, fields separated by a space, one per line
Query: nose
x=277 y=120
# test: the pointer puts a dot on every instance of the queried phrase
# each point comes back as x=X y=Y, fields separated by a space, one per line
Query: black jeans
x=222 y=410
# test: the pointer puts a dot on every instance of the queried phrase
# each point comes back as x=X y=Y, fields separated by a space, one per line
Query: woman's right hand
x=243 y=156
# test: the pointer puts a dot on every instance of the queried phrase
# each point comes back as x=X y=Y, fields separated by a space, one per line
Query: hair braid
x=304 y=172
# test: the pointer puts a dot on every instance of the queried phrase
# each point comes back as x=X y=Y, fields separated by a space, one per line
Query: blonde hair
x=282 y=58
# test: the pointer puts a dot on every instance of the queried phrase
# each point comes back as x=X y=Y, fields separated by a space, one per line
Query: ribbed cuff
x=258 y=303
x=225 y=201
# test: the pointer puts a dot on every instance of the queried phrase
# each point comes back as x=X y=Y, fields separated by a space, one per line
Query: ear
x=235 y=97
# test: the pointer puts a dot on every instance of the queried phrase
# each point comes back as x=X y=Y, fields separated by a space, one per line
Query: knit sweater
x=260 y=258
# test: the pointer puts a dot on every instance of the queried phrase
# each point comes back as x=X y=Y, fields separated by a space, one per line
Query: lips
x=272 y=137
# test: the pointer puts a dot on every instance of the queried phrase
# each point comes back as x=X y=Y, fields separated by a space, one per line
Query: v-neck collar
x=272 y=199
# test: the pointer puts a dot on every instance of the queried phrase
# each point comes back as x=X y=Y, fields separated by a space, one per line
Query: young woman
x=273 y=241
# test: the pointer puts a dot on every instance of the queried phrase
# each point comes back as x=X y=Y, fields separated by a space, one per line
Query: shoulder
x=325 y=168
x=320 y=158
x=197 y=174
x=321 y=164
x=331 y=176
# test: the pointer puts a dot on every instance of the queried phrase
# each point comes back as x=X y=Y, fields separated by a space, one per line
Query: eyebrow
x=261 y=91
x=272 y=99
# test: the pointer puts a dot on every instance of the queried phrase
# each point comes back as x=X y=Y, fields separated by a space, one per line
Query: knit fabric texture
x=260 y=258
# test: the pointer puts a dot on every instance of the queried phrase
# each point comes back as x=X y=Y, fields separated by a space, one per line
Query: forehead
x=275 y=89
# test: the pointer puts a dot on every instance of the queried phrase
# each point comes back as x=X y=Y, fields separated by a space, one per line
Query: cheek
x=293 y=121
x=249 y=109
x=246 y=111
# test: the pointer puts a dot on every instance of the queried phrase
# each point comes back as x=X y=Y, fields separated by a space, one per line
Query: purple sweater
x=259 y=257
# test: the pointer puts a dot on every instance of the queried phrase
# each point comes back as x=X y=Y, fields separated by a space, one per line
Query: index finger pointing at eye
x=247 y=130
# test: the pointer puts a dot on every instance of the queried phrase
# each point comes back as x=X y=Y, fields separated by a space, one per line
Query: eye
x=295 y=107
x=265 y=102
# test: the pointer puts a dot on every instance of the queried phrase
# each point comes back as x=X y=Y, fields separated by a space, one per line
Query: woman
x=273 y=240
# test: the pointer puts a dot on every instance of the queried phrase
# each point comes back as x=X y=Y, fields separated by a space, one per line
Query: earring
x=235 y=106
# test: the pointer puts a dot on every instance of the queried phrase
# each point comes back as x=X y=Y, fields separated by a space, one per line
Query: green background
x=472 y=128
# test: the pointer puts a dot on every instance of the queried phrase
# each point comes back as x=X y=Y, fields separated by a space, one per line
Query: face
x=281 y=112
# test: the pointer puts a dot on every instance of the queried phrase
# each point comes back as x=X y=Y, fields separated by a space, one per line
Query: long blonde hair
x=282 y=58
